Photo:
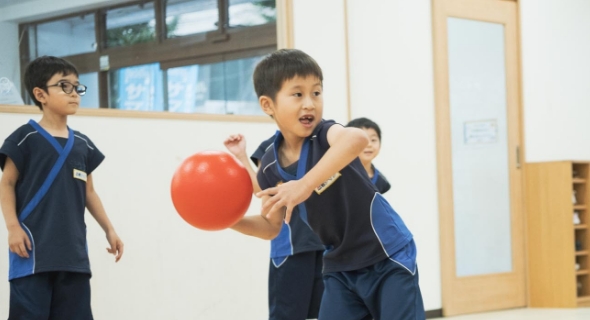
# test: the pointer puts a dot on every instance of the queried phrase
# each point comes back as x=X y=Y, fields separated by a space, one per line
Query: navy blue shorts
x=50 y=295
x=295 y=287
x=385 y=290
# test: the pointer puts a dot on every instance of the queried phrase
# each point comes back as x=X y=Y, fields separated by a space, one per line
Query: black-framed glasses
x=69 y=87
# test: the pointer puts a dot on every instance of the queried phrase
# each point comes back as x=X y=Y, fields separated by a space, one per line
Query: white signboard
x=480 y=132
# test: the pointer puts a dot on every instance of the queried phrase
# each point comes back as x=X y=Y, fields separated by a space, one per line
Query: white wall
x=170 y=270
x=326 y=44
x=391 y=76
x=556 y=79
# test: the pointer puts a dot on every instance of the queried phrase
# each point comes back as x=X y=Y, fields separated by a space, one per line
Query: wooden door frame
x=444 y=161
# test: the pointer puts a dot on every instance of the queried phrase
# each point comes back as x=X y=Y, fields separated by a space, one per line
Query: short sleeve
x=261 y=150
x=10 y=149
x=95 y=157
x=384 y=185
x=262 y=180
x=322 y=132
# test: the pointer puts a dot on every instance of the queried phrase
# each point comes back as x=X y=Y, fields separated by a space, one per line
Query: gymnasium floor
x=528 y=314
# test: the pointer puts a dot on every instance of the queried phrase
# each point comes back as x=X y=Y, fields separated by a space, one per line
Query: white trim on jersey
x=379 y=239
x=91 y=148
x=268 y=165
x=280 y=264
x=401 y=264
x=269 y=146
x=33 y=245
x=25 y=138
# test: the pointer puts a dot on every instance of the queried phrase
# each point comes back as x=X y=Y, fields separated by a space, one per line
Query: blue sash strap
x=63 y=155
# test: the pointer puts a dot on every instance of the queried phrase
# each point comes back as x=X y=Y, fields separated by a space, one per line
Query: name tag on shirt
x=80 y=175
x=322 y=187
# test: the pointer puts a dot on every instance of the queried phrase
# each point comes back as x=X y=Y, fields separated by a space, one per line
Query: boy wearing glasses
x=45 y=188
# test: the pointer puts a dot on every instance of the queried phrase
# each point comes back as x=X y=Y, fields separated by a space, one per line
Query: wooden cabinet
x=557 y=196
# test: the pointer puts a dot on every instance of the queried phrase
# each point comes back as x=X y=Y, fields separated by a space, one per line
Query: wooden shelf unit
x=555 y=245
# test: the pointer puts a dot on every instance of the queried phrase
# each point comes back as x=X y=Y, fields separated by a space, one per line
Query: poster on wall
x=480 y=132
x=139 y=88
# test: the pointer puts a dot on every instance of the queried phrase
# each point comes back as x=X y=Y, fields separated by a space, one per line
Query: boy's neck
x=369 y=168
x=289 y=150
x=56 y=125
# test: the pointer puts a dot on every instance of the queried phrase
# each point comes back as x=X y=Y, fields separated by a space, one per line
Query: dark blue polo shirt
x=355 y=223
x=56 y=225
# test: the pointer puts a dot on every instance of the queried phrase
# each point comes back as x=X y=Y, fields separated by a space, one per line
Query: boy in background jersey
x=295 y=284
x=45 y=188
x=370 y=267
x=371 y=152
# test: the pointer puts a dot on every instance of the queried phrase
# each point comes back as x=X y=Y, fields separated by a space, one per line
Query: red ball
x=211 y=190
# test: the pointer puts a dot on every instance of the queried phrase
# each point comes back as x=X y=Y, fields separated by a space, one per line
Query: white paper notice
x=480 y=132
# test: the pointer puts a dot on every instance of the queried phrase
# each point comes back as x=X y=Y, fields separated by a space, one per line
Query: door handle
x=517 y=157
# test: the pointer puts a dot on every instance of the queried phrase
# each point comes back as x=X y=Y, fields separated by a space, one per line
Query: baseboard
x=437 y=313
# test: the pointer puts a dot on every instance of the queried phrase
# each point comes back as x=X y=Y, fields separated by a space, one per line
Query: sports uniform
x=295 y=285
x=50 y=206
x=370 y=260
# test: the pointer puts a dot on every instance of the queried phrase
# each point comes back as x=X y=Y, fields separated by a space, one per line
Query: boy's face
x=55 y=99
x=373 y=148
x=298 y=106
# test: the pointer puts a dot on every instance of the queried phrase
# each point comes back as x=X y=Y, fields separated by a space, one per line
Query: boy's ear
x=266 y=104
x=40 y=94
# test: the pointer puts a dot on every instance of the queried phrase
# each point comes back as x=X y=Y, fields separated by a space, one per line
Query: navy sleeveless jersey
x=56 y=226
x=355 y=223
x=296 y=236
x=380 y=181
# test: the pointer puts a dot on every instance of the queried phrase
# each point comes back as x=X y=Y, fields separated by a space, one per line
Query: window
x=251 y=13
x=130 y=25
x=90 y=80
x=182 y=56
x=220 y=88
x=186 y=17
x=64 y=37
x=137 y=88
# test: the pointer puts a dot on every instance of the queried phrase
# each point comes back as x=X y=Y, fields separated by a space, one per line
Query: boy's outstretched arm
x=18 y=241
x=96 y=208
x=345 y=145
x=236 y=144
x=264 y=226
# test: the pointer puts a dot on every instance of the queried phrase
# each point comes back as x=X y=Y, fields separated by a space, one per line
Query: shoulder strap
x=63 y=154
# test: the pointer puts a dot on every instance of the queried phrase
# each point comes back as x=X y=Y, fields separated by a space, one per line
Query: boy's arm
x=18 y=241
x=96 y=208
x=345 y=145
x=236 y=144
x=261 y=226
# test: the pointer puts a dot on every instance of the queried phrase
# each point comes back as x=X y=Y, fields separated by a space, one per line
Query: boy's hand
x=116 y=245
x=236 y=144
x=19 y=242
x=288 y=195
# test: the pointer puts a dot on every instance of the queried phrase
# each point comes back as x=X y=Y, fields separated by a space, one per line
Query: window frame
x=221 y=44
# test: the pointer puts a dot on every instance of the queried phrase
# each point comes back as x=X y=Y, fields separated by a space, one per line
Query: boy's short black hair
x=40 y=70
x=365 y=123
x=282 y=65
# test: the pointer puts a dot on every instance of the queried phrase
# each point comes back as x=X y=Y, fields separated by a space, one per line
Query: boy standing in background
x=371 y=152
x=45 y=188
